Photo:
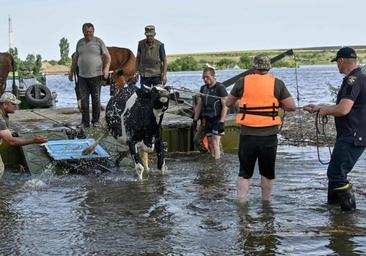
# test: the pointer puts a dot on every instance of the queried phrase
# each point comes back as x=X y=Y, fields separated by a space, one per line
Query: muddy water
x=191 y=210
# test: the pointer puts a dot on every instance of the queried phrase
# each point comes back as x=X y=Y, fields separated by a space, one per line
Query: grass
x=304 y=56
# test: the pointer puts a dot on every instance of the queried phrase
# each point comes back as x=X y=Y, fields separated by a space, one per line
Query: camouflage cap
x=8 y=97
x=150 y=30
x=262 y=62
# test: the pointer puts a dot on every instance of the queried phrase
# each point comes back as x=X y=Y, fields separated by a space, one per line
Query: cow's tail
x=14 y=86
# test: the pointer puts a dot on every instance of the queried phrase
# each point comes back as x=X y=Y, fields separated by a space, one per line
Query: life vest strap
x=273 y=113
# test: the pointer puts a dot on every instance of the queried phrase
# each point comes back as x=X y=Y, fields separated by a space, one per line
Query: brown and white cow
x=7 y=64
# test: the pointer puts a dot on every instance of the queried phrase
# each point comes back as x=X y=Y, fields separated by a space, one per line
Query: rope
x=322 y=121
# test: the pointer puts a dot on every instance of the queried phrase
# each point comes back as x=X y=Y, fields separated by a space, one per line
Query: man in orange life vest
x=260 y=95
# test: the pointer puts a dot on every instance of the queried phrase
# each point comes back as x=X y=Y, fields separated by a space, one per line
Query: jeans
x=89 y=86
x=344 y=157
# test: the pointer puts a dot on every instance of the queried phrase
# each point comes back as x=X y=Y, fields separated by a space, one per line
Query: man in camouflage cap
x=260 y=96
x=8 y=104
x=151 y=63
x=261 y=62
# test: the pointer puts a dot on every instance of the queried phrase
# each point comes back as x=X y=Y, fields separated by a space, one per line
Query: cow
x=122 y=66
x=134 y=116
x=7 y=64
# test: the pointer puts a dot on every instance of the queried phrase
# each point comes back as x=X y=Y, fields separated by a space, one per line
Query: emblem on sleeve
x=351 y=80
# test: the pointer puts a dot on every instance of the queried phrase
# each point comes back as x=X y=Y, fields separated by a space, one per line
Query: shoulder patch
x=351 y=80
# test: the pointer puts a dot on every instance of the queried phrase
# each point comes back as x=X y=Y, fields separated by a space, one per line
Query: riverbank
x=304 y=56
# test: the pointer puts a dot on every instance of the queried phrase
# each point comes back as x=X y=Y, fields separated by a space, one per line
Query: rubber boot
x=332 y=196
x=346 y=197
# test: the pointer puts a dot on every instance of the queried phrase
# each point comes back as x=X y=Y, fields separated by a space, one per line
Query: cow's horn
x=147 y=87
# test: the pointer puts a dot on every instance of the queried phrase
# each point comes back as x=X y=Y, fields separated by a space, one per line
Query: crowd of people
x=259 y=96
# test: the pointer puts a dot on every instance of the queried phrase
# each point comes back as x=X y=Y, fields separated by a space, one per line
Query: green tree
x=245 y=62
x=187 y=63
x=64 y=51
x=225 y=63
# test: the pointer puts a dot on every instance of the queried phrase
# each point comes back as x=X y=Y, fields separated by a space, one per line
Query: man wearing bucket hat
x=260 y=95
x=350 y=120
x=8 y=105
x=151 y=63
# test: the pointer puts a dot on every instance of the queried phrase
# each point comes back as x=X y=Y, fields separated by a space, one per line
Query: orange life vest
x=258 y=105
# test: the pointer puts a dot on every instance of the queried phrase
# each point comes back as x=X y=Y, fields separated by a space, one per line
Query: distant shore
x=303 y=57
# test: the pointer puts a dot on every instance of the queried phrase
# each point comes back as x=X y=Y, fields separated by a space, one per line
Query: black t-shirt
x=352 y=127
x=211 y=106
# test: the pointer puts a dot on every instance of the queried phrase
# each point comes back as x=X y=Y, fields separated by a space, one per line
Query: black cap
x=345 y=52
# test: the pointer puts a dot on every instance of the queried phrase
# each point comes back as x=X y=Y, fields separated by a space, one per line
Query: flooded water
x=190 y=210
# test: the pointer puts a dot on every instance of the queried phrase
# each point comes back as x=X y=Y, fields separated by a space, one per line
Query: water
x=312 y=83
x=192 y=209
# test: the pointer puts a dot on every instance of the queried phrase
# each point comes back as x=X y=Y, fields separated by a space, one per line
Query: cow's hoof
x=139 y=170
x=163 y=169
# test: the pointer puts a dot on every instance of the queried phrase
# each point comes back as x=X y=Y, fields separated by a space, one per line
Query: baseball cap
x=345 y=52
x=8 y=97
x=261 y=62
x=150 y=30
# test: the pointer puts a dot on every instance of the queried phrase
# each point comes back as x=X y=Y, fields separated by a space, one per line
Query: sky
x=188 y=26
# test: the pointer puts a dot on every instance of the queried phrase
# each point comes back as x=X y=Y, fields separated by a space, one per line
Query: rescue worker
x=260 y=95
x=350 y=120
x=8 y=105
x=211 y=110
x=151 y=63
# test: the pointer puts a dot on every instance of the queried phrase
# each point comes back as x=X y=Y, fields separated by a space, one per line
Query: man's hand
x=164 y=79
x=106 y=73
x=311 y=108
x=39 y=139
x=71 y=77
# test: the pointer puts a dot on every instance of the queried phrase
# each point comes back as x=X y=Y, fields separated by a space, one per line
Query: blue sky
x=188 y=26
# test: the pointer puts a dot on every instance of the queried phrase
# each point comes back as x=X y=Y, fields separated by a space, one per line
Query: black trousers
x=90 y=86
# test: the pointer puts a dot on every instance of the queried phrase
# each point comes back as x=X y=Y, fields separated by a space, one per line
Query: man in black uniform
x=350 y=120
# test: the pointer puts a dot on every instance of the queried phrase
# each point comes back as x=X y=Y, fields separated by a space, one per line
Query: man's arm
x=6 y=135
x=288 y=104
x=74 y=62
x=106 y=63
x=341 y=109
x=230 y=101
x=164 y=71
x=164 y=65
x=197 y=110
x=223 y=110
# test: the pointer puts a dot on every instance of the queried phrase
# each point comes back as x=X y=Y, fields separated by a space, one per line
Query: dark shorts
x=263 y=148
x=344 y=157
x=211 y=124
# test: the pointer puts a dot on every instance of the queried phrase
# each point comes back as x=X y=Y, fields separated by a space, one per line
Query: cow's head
x=160 y=96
